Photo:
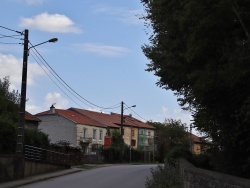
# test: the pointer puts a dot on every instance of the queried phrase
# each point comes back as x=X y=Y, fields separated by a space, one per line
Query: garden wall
x=10 y=163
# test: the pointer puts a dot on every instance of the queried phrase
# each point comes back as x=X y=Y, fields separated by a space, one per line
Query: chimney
x=52 y=109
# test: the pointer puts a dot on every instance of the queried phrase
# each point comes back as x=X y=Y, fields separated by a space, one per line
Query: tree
x=170 y=135
x=116 y=139
x=9 y=108
x=9 y=102
x=8 y=117
x=200 y=50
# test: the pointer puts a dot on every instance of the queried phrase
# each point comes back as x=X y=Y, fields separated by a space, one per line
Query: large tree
x=200 y=50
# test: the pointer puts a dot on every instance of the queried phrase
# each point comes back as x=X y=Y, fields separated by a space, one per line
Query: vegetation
x=9 y=109
x=36 y=138
x=200 y=50
x=165 y=176
x=172 y=139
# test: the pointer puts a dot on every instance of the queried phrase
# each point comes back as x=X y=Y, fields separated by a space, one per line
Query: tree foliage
x=9 y=107
x=200 y=50
x=170 y=135
x=9 y=102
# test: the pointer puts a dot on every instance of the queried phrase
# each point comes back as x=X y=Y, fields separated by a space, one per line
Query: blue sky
x=98 y=54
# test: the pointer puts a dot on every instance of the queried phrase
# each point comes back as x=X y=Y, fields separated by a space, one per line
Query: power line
x=69 y=89
x=135 y=112
x=55 y=82
x=10 y=36
x=11 y=30
x=9 y=43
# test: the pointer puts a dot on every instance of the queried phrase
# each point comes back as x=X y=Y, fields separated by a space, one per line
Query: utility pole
x=122 y=132
x=190 y=137
x=21 y=123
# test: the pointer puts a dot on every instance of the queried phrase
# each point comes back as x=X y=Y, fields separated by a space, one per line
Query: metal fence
x=42 y=155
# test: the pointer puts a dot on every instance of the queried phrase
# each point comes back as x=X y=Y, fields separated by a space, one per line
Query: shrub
x=164 y=176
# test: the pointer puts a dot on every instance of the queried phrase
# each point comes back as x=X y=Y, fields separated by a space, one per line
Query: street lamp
x=122 y=132
x=21 y=123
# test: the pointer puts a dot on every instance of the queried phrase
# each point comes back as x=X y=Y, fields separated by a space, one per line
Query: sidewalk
x=40 y=177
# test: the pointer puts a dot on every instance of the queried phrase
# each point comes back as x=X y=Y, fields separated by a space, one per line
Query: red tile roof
x=73 y=116
x=30 y=117
x=195 y=138
x=113 y=120
x=102 y=118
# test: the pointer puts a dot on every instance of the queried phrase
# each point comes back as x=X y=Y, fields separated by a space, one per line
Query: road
x=123 y=176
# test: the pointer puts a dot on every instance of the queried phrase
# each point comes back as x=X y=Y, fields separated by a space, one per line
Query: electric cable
x=68 y=87
x=57 y=80
x=135 y=112
x=11 y=30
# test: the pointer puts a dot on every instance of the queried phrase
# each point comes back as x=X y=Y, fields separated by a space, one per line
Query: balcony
x=86 y=140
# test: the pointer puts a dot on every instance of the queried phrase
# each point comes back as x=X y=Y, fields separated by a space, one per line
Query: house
x=31 y=122
x=90 y=130
x=132 y=127
x=68 y=125
x=197 y=144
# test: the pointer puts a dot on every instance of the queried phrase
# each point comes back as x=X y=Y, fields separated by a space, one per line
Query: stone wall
x=199 y=178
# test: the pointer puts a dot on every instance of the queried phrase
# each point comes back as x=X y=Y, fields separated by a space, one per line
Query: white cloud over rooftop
x=54 y=23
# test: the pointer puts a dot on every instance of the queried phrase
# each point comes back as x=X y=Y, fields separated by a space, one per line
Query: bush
x=203 y=161
x=8 y=136
x=179 y=152
x=164 y=176
x=36 y=138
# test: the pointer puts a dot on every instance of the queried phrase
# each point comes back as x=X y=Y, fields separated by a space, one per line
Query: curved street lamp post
x=122 y=133
x=21 y=123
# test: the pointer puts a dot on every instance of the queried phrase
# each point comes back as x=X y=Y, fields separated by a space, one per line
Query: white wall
x=58 y=128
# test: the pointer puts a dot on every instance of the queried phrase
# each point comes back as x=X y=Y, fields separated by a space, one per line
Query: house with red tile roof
x=87 y=129
x=31 y=122
x=68 y=125
x=136 y=133
x=197 y=144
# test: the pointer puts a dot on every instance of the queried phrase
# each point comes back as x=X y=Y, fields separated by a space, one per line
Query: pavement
x=42 y=177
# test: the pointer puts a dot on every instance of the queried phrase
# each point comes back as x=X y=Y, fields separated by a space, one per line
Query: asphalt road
x=124 y=176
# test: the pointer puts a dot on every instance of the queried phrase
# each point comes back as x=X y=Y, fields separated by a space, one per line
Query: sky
x=96 y=63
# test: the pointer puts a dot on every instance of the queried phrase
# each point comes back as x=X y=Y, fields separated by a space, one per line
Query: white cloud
x=184 y=116
x=177 y=114
x=124 y=15
x=54 y=23
x=57 y=99
x=12 y=66
x=33 y=109
x=101 y=49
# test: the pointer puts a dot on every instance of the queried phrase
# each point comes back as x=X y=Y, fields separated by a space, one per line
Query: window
x=132 y=132
x=85 y=132
x=94 y=133
x=100 y=134
x=133 y=142
x=149 y=133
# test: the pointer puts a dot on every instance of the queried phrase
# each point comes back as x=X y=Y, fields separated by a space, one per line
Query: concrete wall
x=10 y=165
x=90 y=130
x=33 y=168
x=127 y=135
x=58 y=128
x=199 y=178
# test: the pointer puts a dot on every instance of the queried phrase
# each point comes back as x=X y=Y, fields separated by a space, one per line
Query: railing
x=86 y=139
x=42 y=155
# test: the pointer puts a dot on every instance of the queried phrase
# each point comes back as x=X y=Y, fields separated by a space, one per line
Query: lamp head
x=53 y=40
